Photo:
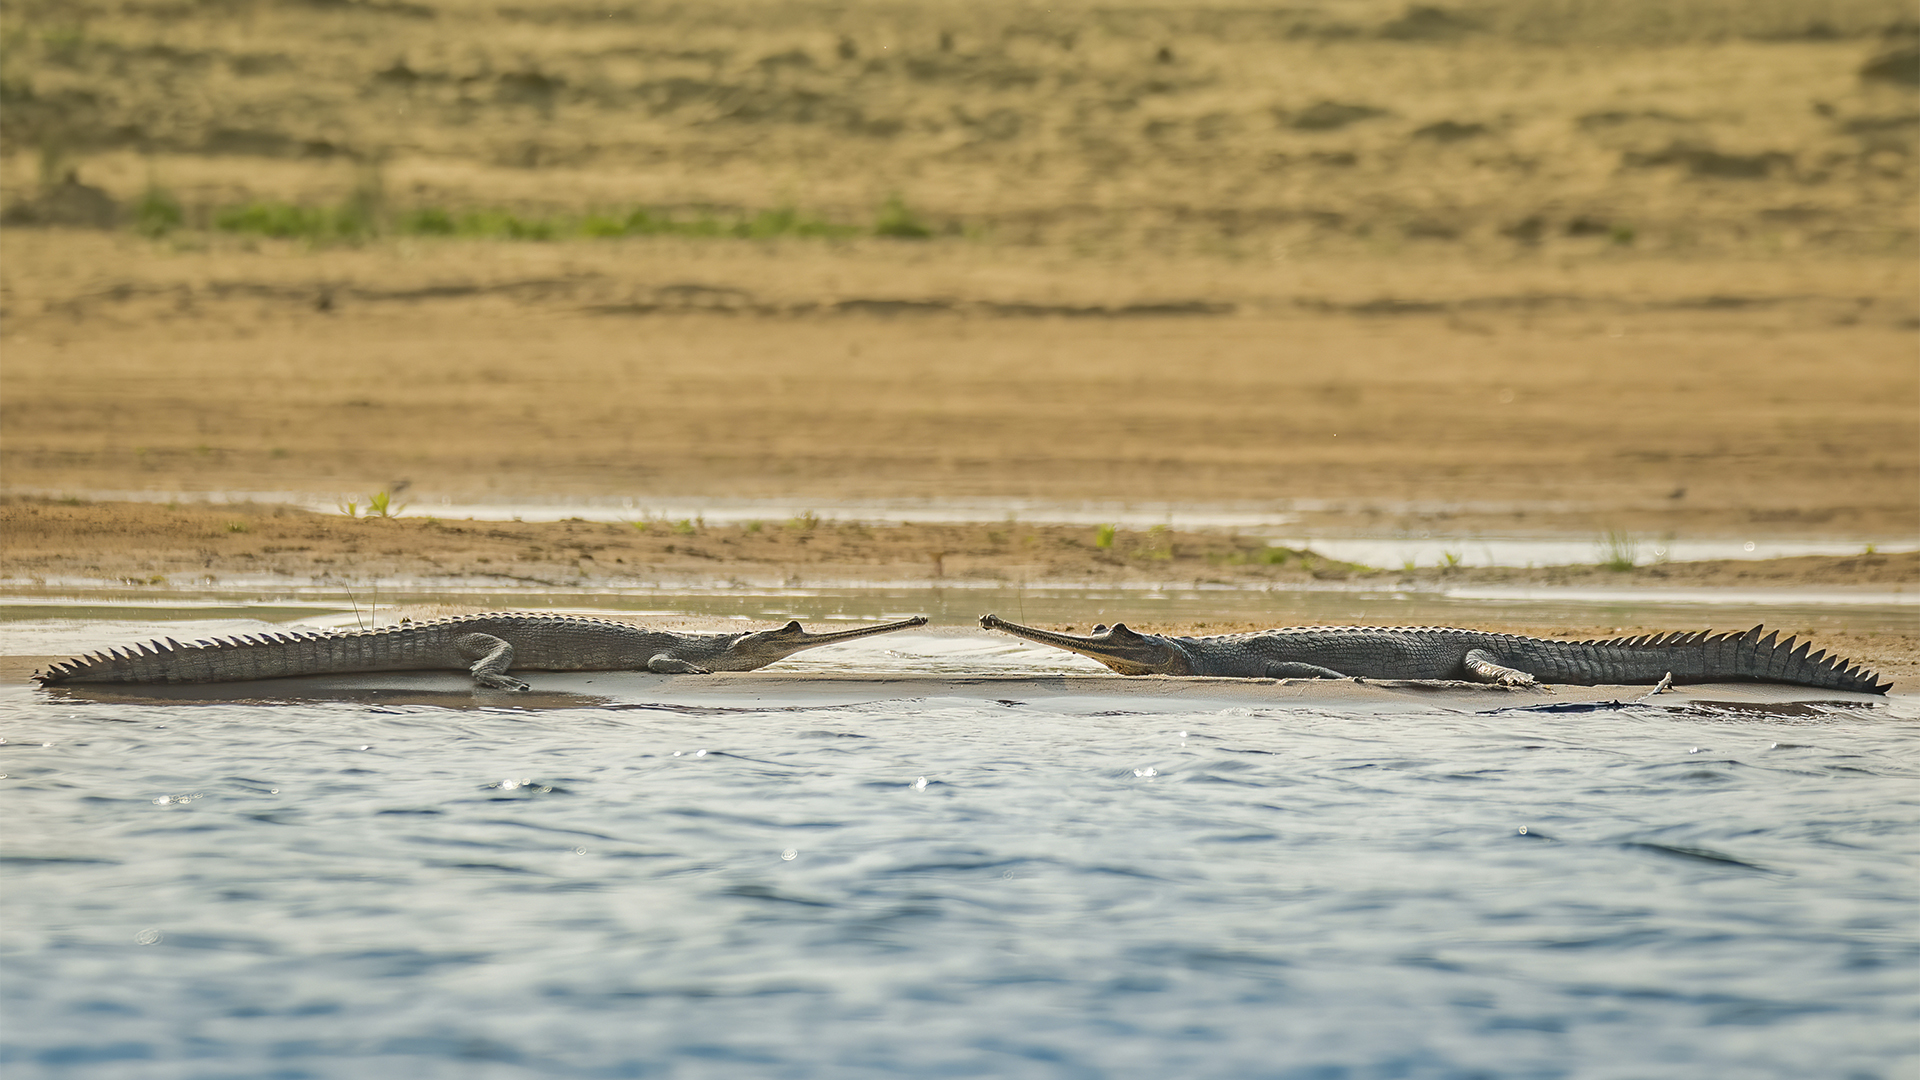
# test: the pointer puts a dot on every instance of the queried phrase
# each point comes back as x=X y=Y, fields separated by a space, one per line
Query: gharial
x=484 y=645
x=1438 y=652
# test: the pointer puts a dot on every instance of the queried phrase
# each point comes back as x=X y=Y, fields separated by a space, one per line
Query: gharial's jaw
x=1117 y=647
x=762 y=647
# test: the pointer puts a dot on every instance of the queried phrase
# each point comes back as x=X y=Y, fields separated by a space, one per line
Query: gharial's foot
x=499 y=682
x=673 y=665
x=1483 y=668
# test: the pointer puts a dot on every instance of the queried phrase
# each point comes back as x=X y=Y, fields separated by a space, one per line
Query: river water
x=452 y=884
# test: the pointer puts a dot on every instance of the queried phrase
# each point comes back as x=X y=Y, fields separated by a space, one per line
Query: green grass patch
x=379 y=504
x=156 y=213
x=289 y=221
x=360 y=219
x=897 y=221
x=1618 y=550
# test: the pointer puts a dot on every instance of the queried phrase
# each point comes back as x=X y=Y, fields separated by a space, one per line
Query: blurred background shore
x=1541 y=266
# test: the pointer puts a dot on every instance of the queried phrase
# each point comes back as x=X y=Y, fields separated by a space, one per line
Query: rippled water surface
x=953 y=887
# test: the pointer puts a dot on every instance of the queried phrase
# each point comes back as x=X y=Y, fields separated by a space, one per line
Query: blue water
x=955 y=887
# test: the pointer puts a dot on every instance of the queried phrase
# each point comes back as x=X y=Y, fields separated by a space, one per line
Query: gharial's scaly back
x=163 y=660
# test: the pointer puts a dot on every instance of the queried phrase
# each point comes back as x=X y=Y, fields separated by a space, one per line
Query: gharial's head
x=1116 y=646
x=770 y=645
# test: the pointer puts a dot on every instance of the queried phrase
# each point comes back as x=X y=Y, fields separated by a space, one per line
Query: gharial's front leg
x=673 y=665
x=1482 y=667
x=494 y=656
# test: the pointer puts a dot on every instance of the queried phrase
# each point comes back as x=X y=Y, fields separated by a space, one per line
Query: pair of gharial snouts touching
x=1119 y=648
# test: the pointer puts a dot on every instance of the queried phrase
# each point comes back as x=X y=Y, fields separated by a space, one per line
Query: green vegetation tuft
x=157 y=213
x=1103 y=537
x=1618 y=550
x=896 y=220
x=431 y=221
x=362 y=217
x=287 y=221
x=380 y=504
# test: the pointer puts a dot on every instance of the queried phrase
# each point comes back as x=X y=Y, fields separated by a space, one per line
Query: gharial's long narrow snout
x=791 y=638
x=1116 y=646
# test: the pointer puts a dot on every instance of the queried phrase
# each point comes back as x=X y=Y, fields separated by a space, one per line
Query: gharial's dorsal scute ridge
x=485 y=645
x=1441 y=652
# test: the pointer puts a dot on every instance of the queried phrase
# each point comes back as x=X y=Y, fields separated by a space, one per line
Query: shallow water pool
x=962 y=885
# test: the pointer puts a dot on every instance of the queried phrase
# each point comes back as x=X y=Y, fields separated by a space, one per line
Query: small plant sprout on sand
x=379 y=504
x=1619 y=550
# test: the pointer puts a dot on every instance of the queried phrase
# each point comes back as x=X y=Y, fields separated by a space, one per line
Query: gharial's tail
x=1737 y=656
x=233 y=659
